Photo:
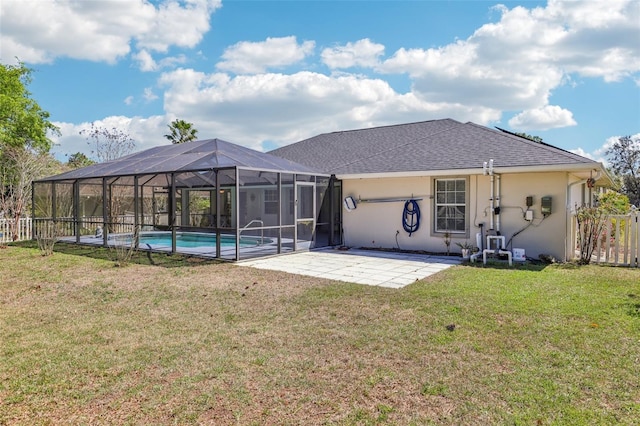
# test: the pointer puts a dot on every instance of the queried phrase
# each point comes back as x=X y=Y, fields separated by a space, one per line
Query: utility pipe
x=498 y=203
x=492 y=202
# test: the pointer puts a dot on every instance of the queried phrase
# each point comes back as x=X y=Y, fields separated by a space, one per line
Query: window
x=450 y=205
x=271 y=201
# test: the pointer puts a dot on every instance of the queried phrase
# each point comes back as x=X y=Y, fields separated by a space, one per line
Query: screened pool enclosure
x=207 y=198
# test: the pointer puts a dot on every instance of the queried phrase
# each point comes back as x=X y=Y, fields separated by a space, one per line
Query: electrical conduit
x=497 y=207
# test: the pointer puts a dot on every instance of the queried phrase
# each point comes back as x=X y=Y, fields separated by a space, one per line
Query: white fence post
x=619 y=243
x=23 y=231
x=634 y=239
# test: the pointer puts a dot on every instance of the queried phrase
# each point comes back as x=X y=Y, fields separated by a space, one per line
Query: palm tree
x=181 y=132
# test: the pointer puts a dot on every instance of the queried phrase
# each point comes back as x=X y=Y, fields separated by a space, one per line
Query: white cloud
x=516 y=63
x=459 y=72
x=602 y=151
x=592 y=14
x=146 y=132
x=250 y=109
x=362 y=53
x=547 y=117
x=452 y=60
x=256 y=57
x=149 y=95
x=147 y=63
x=172 y=24
x=38 y=31
x=513 y=64
x=600 y=158
x=600 y=154
x=582 y=153
x=591 y=38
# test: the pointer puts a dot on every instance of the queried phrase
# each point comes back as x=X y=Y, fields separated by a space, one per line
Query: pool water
x=195 y=240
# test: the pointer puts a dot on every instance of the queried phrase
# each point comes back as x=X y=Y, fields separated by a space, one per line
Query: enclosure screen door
x=305 y=214
x=160 y=208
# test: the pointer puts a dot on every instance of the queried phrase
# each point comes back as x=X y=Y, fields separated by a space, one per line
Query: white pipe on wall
x=492 y=203
x=498 y=202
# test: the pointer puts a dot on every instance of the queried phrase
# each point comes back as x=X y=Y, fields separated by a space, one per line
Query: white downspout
x=498 y=204
x=492 y=202
x=487 y=169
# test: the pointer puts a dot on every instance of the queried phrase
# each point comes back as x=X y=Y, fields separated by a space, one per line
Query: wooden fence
x=619 y=243
x=7 y=229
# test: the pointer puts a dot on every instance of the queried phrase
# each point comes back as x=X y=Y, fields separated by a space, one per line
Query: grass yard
x=193 y=342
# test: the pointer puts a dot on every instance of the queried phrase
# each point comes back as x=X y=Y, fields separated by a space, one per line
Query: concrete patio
x=370 y=267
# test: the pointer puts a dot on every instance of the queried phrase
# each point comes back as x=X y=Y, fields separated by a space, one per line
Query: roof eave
x=584 y=167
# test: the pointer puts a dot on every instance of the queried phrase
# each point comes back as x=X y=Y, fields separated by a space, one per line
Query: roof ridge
x=384 y=127
x=411 y=142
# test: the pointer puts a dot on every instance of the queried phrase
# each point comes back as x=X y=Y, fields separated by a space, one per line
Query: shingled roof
x=437 y=145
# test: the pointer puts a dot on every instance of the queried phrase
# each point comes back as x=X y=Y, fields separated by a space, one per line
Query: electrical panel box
x=546 y=206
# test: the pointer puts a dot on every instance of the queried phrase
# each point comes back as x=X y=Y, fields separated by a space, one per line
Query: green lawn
x=191 y=342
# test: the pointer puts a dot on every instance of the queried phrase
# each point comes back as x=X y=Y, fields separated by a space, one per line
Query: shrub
x=47 y=235
x=591 y=224
x=124 y=246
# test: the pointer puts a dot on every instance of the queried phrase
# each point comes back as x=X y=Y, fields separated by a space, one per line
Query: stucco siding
x=543 y=234
x=375 y=224
x=379 y=224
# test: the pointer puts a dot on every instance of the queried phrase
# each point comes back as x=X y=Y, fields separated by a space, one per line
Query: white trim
x=478 y=171
x=434 y=185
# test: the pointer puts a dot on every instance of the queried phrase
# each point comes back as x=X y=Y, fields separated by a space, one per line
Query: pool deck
x=370 y=267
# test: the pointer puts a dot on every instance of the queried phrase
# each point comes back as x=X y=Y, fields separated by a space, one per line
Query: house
x=466 y=180
x=409 y=186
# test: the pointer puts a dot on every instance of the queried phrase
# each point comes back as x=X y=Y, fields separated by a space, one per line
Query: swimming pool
x=189 y=240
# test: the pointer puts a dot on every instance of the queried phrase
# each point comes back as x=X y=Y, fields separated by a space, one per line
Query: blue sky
x=268 y=73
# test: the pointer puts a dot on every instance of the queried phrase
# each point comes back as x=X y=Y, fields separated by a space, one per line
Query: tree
x=624 y=157
x=19 y=167
x=79 y=160
x=24 y=142
x=613 y=202
x=108 y=144
x=181 y=132
x=23 y=124
x=530 y=137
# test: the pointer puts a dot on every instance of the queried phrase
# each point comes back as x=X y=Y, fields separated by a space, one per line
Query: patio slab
x=371 y=267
